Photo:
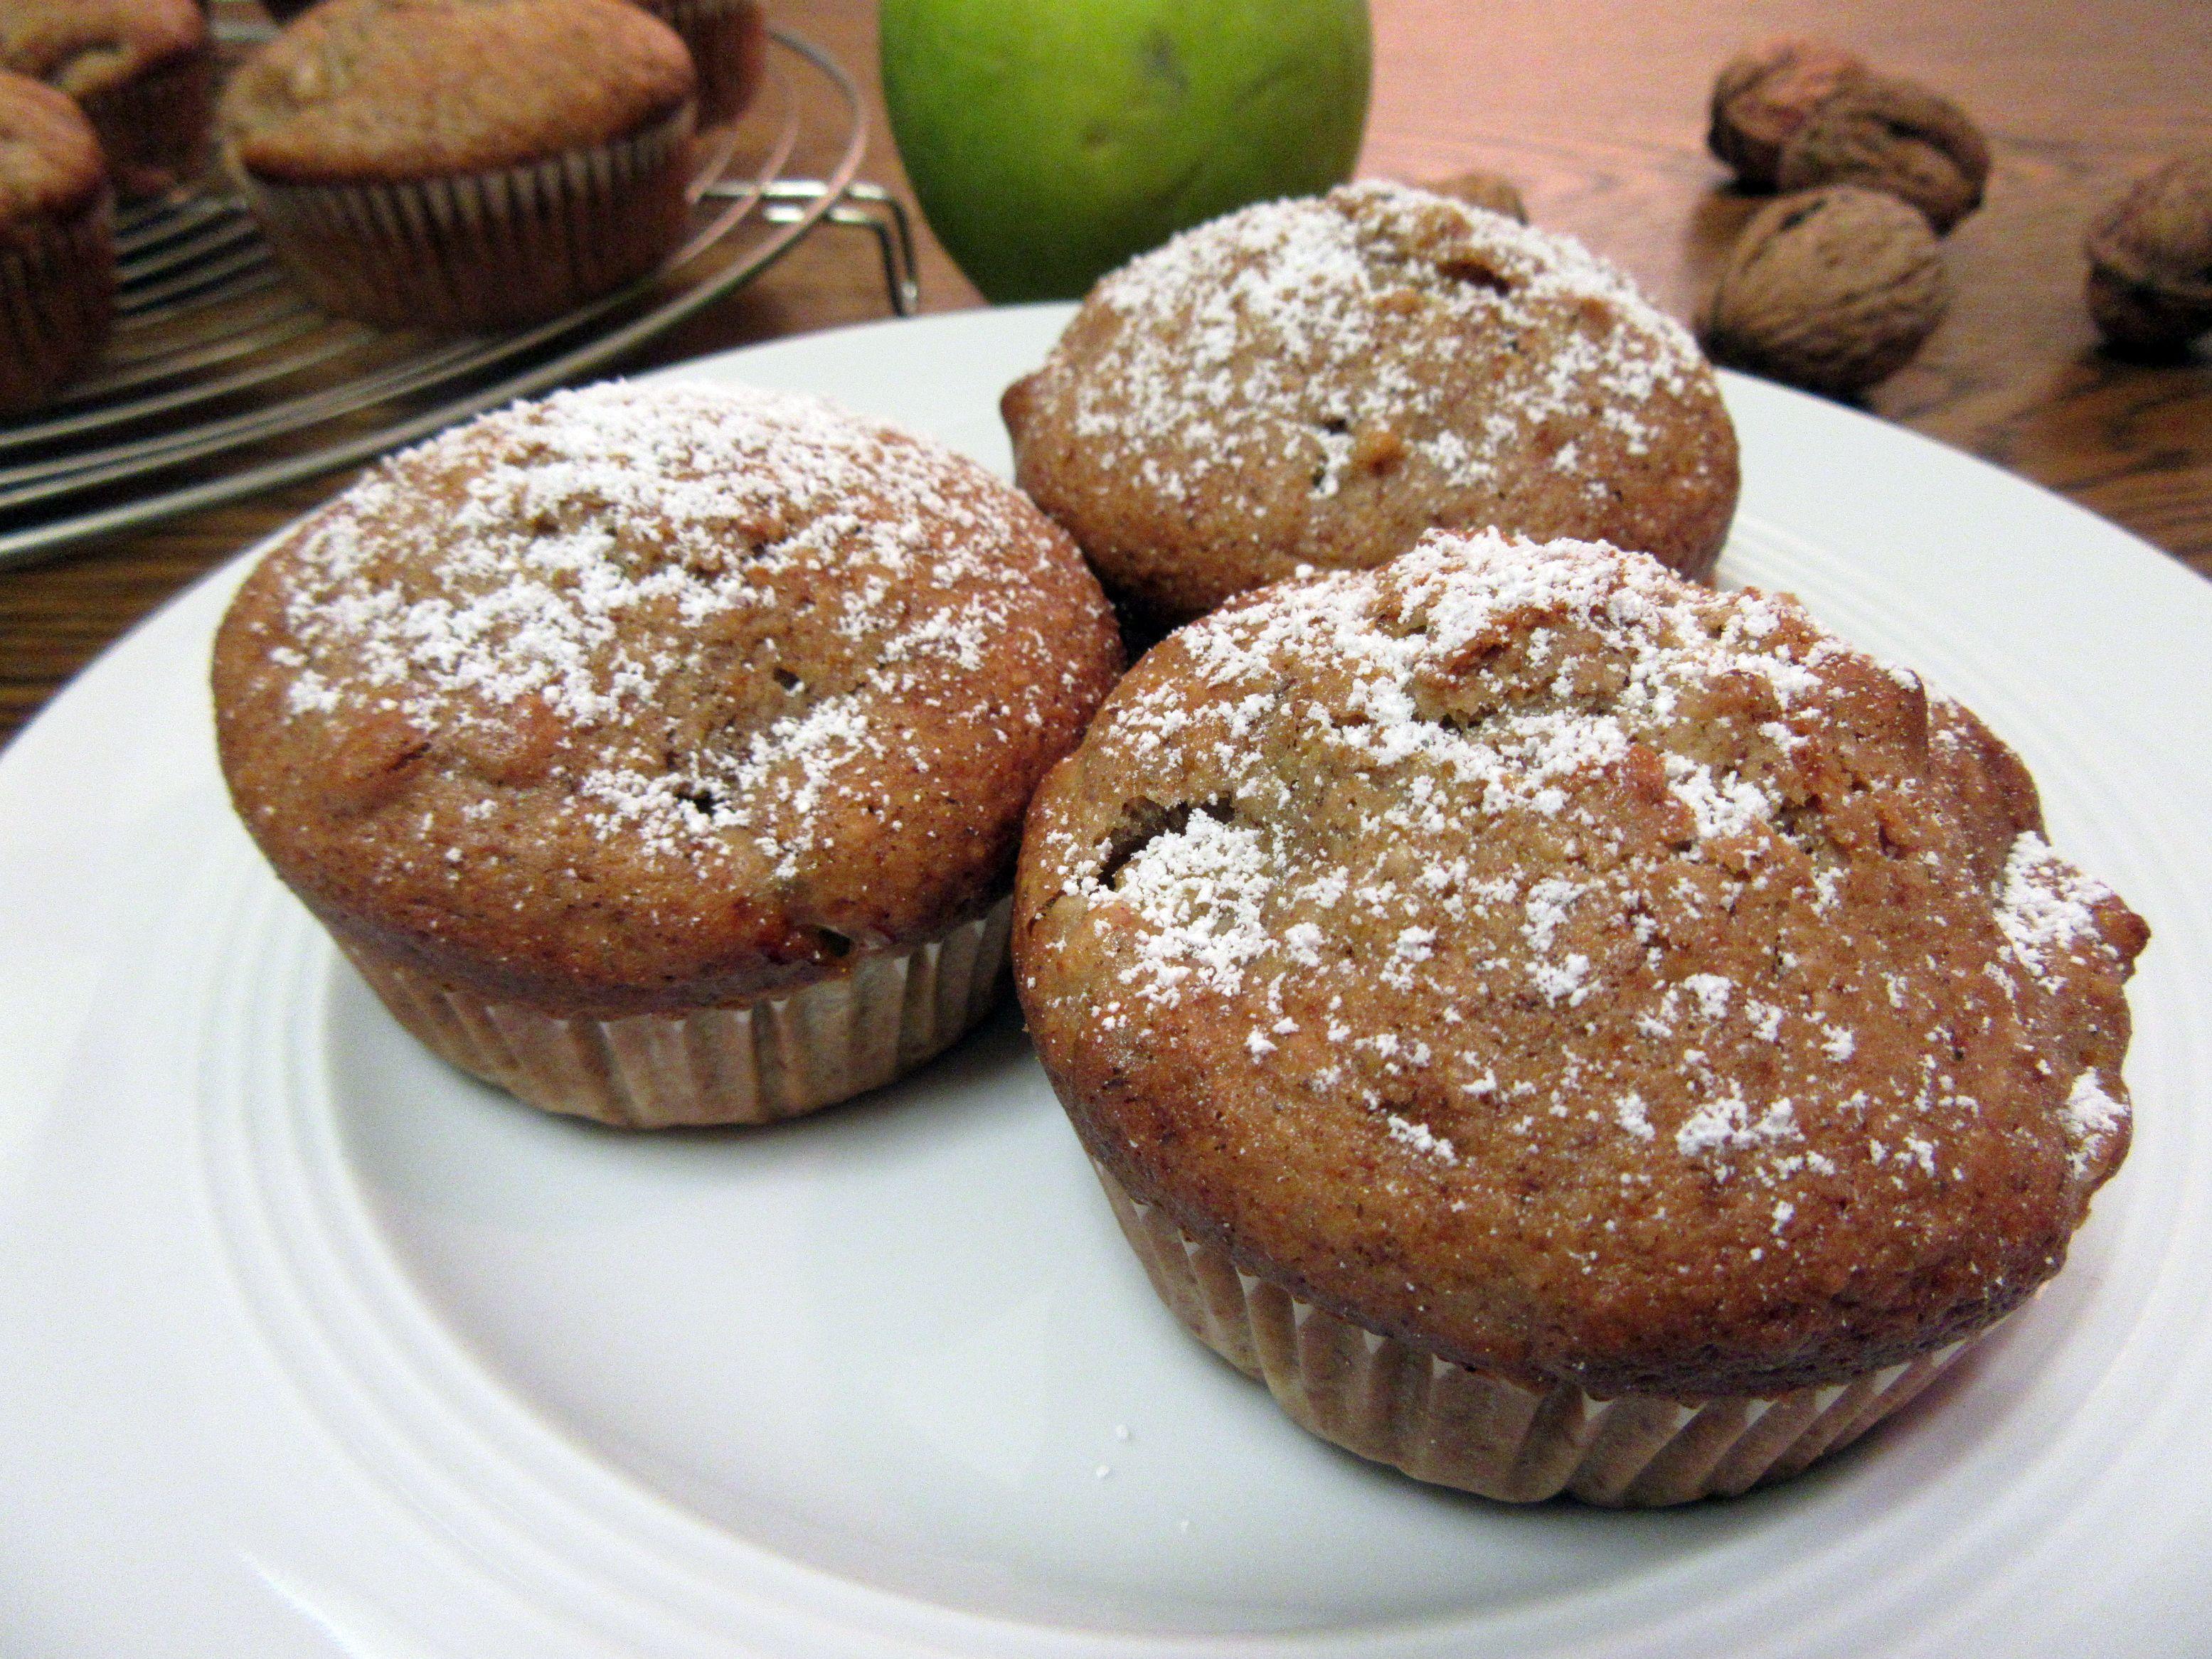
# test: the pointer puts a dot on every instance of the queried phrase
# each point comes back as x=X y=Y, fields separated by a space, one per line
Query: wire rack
x=222 y=381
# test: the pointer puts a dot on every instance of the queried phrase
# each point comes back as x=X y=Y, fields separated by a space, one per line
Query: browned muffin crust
x=388 y=90
x=143 y=71
x=50 y=161
x=1582 y=976
x=89 y=47
x=1319 y=382
x=641 y=700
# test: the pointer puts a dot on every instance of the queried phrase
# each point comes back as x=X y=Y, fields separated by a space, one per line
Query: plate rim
x=21 y=756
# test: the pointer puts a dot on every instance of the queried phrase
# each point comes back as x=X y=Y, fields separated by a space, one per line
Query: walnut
x=2150 y=259
x=1888 y=133
x=1765 y=95
x=1482 y=190
x=1832 y=290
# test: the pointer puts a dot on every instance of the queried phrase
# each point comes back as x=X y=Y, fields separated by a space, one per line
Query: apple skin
x=1049 y=141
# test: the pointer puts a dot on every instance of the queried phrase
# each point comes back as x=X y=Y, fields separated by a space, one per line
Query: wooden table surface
x=1595 y=108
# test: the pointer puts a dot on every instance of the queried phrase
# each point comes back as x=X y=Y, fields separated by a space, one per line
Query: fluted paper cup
x=154 y=127
x=1402 y=1405
x=56 y=301
x=494 y=249
x=757 y=1061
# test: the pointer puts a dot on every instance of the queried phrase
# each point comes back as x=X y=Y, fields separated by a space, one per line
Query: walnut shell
x=1832 y=290
x=1765 y=93
x=1483 y=190
x=2150 y=258
x=1888 y=133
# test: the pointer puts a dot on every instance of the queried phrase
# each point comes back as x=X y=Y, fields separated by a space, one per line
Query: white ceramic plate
x=309 y=1346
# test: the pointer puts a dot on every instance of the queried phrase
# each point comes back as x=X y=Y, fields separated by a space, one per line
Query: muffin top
x=1320 y=381
x=87 y=48
x=1584 y=975
x=50 y=161
x=362 y=90
x=641 y=699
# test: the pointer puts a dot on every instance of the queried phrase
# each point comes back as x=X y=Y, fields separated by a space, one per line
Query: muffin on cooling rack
x=1564 y=1028
x=1320 y=381
x=728 y=42
x=143 y=71
x=659 y=754
x=464 y=164
x=57 y=243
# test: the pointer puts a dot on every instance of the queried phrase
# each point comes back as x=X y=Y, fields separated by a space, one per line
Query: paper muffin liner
x=758 y=1061
x=154 y=127
x=1402 y=1405
x=729 y=47
x=492 y=249
x=57 y=302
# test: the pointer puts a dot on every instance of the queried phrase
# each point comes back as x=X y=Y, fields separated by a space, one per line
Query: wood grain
x=1596 y=108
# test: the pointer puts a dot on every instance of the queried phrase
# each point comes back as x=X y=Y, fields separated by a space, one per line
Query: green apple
x=1050 y=140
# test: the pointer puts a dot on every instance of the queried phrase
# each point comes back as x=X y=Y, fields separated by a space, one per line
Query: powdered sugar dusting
x=2093 y=1117
x=1538 y=845
x=1423 y=1140
x=1201 y=895
x=2047 y=908
x=1516 y=762
x=1290 y=314
x=605 y=558
x=1730 y=1124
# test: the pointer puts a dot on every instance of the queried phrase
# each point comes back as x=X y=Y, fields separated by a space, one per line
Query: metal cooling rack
x=222 y=381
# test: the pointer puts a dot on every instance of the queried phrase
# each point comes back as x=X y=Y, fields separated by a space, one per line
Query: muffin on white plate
x=660 y=754
x=1322 y=381
x=1566 y=1030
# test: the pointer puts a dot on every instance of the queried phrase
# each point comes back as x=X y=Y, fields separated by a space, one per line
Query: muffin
x=143 y=70
x=464 y=164
x=1564 y=1028
x=1321 y=381
x=728 y=43
x=660 y=756
x=57 y=243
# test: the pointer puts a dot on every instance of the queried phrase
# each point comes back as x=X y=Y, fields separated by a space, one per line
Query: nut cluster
x=1800 y=114
x=1836 y=284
